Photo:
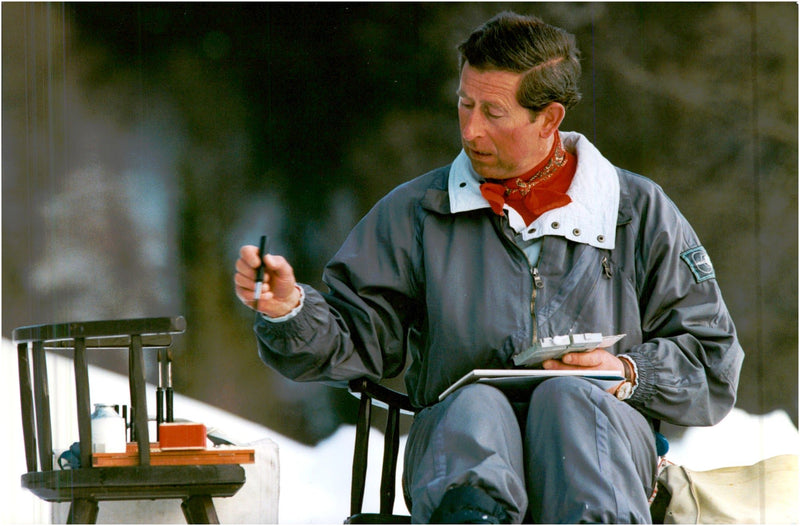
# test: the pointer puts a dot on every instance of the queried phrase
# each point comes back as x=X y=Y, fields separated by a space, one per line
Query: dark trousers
x=575 y=454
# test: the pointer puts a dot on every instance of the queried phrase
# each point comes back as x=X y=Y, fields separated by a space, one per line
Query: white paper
x=527 y=378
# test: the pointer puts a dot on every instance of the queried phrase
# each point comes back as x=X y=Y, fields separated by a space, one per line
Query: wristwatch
x=625 y=389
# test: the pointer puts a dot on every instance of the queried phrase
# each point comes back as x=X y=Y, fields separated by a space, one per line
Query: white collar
x=591 y=217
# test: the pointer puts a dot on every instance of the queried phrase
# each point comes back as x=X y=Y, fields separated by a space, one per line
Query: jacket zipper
x=537 y=284
x=607 y=271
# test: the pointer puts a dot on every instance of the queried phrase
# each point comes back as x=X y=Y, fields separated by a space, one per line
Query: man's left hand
x=599 y=359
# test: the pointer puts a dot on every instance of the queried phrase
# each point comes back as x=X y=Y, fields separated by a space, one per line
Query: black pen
x=170 y=416
x=262 y=250
x=159 y=397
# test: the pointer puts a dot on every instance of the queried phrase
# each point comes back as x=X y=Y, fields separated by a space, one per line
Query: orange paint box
x=182 y=435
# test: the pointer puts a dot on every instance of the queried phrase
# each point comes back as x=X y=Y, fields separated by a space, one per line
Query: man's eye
x=465 y=104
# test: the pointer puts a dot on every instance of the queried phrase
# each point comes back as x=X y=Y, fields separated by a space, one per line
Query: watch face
x=624 y=391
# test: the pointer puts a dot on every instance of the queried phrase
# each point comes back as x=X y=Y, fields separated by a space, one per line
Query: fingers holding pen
x=278 y=294
x=248 y=267
x=279 y=274
x=249 y=260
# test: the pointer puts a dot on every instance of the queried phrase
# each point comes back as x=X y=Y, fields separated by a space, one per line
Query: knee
x=485 y=415
x=474 y=413
x=561 y=399
x=555 y=392
x=482 y=396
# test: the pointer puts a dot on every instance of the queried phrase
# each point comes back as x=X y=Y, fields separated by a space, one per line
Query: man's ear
x=552 y=115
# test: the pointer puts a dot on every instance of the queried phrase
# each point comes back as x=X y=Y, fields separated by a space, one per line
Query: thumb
x=281 y=275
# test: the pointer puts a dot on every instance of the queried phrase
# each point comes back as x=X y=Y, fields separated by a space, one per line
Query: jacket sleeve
x=357 y=329
x=690 y=358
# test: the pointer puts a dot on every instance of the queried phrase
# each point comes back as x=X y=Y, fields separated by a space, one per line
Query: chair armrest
x=381 y=396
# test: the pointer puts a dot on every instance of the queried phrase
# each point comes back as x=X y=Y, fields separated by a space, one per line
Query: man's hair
x=548 y=57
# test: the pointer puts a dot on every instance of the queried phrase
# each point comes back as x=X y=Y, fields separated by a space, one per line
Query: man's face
x=496 y=132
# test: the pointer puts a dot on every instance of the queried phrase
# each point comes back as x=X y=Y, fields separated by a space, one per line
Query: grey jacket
x=433 y=278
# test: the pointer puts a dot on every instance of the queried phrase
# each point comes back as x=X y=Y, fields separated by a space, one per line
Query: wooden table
x=194 y=484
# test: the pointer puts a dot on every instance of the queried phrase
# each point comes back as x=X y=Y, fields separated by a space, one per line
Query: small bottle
x=108 y=430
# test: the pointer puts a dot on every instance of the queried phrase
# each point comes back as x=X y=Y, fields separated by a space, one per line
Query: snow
x=315 y=481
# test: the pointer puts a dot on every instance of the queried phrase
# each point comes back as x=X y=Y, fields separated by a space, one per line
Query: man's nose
x=472 y=126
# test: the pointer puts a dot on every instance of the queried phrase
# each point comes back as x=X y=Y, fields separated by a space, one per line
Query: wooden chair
x=194 y=485
x=395 y=403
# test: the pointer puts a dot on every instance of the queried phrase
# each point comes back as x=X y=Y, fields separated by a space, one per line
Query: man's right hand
x=279 y=292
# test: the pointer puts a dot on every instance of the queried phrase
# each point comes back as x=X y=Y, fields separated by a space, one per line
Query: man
x=529 y=233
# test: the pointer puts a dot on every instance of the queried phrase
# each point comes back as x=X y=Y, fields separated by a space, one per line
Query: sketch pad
x=516 y=382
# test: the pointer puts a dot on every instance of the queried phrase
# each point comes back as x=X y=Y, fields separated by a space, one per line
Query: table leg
x=199 y=509
x=83 y=511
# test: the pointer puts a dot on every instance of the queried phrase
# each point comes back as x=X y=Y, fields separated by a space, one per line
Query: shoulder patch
x=699 y=263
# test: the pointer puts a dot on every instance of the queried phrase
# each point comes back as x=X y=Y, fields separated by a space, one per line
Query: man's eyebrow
x=489 y=105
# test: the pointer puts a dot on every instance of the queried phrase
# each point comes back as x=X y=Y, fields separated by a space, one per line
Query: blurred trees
x=144 y=143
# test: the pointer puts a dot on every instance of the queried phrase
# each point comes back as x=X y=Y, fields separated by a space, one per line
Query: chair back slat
x=391 y=449
x=41 y=395
x=83 y=400
x=360 y=454
x=139 y=398
x=26 y=405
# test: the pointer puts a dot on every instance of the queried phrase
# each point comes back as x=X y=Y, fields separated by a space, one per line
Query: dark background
x=143 y=143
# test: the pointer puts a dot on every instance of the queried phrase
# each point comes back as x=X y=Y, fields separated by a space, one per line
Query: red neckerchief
x=537 y=191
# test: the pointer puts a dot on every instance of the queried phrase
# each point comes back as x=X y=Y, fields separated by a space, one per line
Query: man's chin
x=487 y=170
x=482 y=164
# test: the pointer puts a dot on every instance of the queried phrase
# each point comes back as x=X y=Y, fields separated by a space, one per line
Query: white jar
x=108 y=430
